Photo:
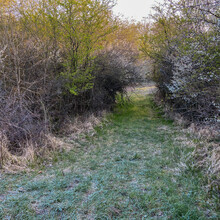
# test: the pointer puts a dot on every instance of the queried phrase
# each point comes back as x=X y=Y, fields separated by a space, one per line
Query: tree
x=76 y=29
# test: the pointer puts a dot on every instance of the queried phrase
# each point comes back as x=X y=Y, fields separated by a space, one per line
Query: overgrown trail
x=134 y=167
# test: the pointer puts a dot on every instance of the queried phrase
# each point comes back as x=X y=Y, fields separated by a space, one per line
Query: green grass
x=137 y=166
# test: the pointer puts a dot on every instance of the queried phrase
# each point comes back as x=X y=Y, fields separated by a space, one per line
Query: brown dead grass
x=207 y=150
x=81 y=124
x=207 y=147
x=12 y=163
x=72 y=128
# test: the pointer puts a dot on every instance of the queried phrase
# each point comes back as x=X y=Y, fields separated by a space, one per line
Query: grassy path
x=135 y=167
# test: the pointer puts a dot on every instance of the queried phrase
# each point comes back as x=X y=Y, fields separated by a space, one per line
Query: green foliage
x=75 y=29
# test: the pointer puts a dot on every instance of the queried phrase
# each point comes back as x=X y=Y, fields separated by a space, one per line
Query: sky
x=136 y=9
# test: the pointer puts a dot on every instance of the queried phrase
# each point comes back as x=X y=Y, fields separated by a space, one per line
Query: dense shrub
x=53 y=65
x=183 y=41
x=19 y=125
x=115 y=70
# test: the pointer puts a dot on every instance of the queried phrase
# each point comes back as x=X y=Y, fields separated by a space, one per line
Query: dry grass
x=207 y=152
x=204 y=139
x=72 y=128
x=13 y=163
x=81 y=124
x=207 y=156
